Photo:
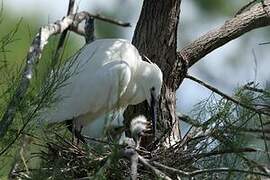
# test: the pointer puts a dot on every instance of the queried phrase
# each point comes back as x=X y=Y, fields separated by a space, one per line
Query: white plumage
x=138 y=126
x=110 y=75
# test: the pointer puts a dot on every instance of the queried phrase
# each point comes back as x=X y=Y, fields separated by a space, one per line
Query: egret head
x=152 y=83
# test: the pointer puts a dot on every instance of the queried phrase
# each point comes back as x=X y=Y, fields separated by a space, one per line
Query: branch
x=157 y=172
x=34 y=54
x=229 y=170
x=255 y=17
x=214 y=170
x=89 y=30
x=227 y=96
x=64 y=33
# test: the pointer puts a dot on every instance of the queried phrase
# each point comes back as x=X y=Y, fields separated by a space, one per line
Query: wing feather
x=91 y=94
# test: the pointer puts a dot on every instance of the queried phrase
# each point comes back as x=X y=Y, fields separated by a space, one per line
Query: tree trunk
x=156 y=37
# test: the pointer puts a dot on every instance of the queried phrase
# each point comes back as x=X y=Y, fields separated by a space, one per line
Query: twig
x=64 y=33
x=203 y=171
x=88 y=17
x=109 y=20
x=216 y=170
x=254 y=89
x=225 y=151
x=18 y=158
x=176 y=171
x=155 y=170
x=226 y=96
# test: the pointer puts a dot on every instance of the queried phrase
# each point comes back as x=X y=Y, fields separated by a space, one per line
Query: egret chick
x=109 y=75
x=138 y=127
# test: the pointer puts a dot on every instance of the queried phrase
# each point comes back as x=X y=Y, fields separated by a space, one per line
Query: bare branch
x=159 y=174
x=214 y=170
x=227 y=96
x=255 y=17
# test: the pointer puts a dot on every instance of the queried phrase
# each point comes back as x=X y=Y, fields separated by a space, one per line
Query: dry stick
x=253 y=18
x=214 y=170
x=225 y=151
x=34 y=55
x=86 y=15
x=155 y=170
x=226 y=96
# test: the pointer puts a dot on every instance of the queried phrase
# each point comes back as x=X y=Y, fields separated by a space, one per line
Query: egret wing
x=91 y=93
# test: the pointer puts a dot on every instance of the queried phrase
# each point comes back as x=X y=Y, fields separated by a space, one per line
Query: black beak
x=153 y=110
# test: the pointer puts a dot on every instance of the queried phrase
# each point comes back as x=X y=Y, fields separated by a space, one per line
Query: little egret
x=139 y=127
x=110 y=75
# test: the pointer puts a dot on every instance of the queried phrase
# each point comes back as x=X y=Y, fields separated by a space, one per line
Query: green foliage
x=14 y=45
x=225 y=7
x=232 y=128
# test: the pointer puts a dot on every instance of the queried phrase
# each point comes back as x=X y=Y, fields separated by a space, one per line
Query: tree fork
x=156 y=38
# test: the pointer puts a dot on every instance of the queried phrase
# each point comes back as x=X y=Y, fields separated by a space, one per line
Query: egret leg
x=75 y=132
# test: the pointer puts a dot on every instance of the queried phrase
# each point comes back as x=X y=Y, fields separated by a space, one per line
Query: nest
x=65 y=159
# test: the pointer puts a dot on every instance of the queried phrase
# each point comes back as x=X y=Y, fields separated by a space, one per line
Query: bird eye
x=153 y=88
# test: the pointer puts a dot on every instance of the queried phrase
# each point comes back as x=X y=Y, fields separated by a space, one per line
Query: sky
x=226 y=68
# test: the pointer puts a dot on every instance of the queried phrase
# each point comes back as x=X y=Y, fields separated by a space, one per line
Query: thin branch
x=203 y=171
x=253 y=18
x=87 y=16
x=225 y=151
x=254 y=89
x=109 y=20
x=216 y=170
x=226 y=96
x=64 y=33
x=155 y=170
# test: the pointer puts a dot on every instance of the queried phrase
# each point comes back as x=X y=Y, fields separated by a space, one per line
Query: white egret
x=139 y=127
x=110 y=76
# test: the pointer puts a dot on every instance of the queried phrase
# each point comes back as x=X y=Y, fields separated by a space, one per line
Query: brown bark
x=255 y=17
x=155 y=36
